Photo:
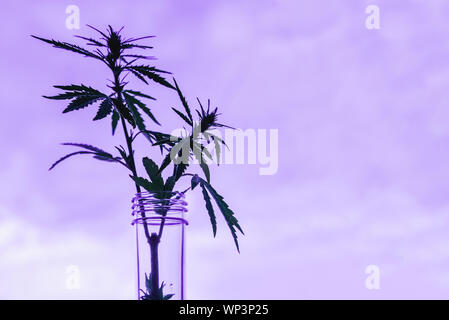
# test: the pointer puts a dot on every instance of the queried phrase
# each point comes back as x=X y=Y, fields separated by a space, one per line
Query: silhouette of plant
x=125 y=106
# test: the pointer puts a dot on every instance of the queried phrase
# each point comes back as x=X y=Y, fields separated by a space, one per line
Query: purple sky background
x=363 y=159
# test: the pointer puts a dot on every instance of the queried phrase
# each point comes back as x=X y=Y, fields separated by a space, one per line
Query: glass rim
x=148 y=193
x=155 y=221
x=150 y=203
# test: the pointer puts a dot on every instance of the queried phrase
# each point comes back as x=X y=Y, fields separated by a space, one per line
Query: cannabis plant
x=124 y=57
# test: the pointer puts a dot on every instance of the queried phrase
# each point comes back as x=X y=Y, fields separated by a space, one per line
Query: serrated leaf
x=115 y=119
x=104 y=109
x=157 y=78
x=68 y=156
x=64 y=96
x=217 y=150
x=153 y=172
x=131 y=103
x=183 y=117
x=150 y=73
x=69 y=47
x=144 y=183
x=198 y=153
x=183 y=101
x=105 y=158
x=87 y=147
x=124 y=112
x=148 y=113
x=151 y=167
x=228 y=214
x=125 y=157
x=81 y=88
x=140 y=94
x=91 y=41
x=206 y=171
x=97 y=153
x=170 y=183
x=178 y=170
x=210 y=209
x=165 y=162
x=81 y=102
x=138 y=75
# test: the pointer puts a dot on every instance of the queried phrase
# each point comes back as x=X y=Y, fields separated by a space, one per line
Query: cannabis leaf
x=184 y=102
x=208 y=118
x=105 y=109
x=170 y=183
x=127 y=158
x=198 y=151
x=81 y=102
x=227 y=213
x=121 y=55
x=139 y=94
x=97 y=153
x=145 y=72
x=124 y=111
x=133 y=102
x=158 y=295
x=130 y=102
x=115 y=119
x=80 y=95
x=87 y=147
x=153 y=172
x=144 y=183
x=210 y=209
x=183 y=117
x=69 y=47
x=68 y=156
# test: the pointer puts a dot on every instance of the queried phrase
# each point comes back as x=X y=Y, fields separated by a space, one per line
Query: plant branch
x=153 y=239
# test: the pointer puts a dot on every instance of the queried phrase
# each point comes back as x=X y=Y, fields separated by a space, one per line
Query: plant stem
x=153 y=239
x=154 y=243
x=133 y=168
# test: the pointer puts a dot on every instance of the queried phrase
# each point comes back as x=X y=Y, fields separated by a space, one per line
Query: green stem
x=153 y=239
